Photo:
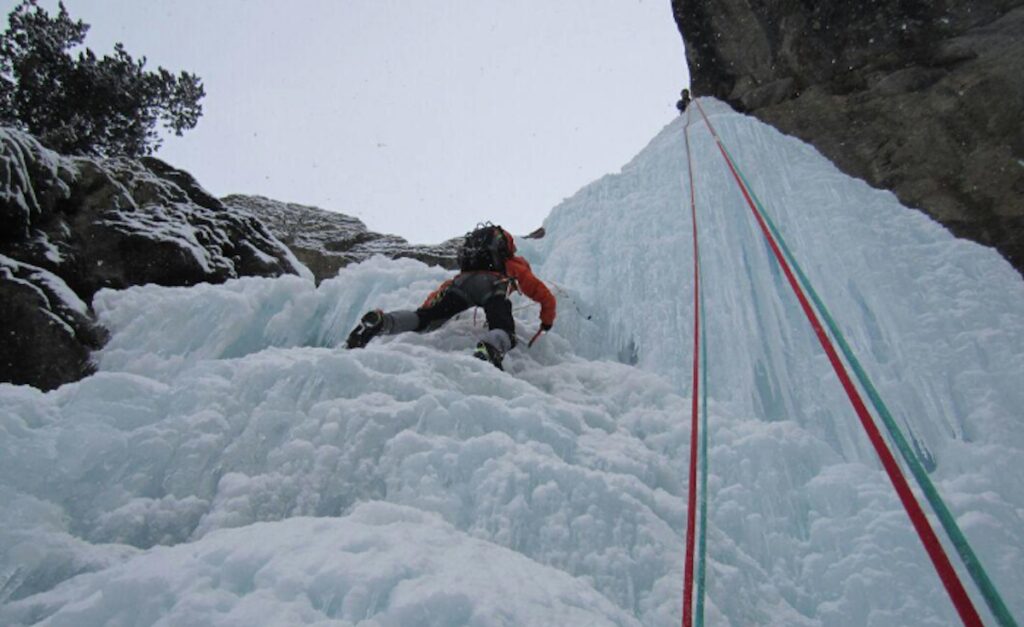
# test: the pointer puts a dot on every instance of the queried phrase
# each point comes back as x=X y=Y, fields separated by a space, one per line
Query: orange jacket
x=519 y=269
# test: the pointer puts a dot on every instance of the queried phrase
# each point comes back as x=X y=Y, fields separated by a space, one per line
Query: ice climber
x=489 y=272
x=684 y=101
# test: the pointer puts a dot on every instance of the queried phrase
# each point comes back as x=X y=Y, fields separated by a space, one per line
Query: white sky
x=421 y=117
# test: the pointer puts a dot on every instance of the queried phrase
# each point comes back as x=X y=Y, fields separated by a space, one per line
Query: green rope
x=702 y=539
x=956 y=536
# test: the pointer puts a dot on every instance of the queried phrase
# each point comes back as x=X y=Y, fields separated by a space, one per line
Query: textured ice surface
x=230 y=464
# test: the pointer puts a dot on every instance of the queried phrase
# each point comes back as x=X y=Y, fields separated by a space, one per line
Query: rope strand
x=694 y=422
x=967 y=555
x=940 y=560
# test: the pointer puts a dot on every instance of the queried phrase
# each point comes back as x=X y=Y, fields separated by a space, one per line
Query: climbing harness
x=940 y=560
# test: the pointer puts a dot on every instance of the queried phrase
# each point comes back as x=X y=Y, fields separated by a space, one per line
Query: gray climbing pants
x=488 y=290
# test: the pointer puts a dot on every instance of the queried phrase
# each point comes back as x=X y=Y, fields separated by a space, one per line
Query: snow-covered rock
x=326 y=241
x=90 y=223
x=46 y=329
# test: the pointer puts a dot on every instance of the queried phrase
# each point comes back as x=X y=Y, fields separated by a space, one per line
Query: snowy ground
x=231 y=465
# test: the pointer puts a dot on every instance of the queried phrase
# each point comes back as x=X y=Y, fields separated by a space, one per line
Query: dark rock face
x=71 y=226
x=925 y=98
x=47 y=332
x=326 y=242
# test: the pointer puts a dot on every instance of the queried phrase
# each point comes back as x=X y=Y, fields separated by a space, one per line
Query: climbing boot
x=486 y=352
x=371 y=324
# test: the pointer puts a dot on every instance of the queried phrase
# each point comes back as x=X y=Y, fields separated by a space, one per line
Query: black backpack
x=485 y=248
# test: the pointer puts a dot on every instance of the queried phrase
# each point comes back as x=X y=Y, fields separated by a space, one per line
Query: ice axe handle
x=536 y=336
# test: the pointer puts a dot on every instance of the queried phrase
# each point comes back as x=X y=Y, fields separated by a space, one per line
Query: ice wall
x=231 y=464
x=937 y=322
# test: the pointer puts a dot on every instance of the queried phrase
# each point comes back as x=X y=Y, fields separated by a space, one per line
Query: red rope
x=691 y=521
x=955 y=589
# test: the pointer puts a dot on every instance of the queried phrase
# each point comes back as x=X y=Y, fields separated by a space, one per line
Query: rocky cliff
x=326 y=241
x=924 y=98
x=75 y=225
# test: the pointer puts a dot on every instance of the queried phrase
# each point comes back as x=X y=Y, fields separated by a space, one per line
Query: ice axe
x=536 y=336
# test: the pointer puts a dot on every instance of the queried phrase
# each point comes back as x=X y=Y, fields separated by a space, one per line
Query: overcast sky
x=421 y=117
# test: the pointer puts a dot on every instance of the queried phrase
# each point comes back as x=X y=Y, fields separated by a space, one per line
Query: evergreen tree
x=83 y=104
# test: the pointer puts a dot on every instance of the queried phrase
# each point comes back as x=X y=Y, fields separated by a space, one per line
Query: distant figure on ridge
x=490 y=272
x=684 y=100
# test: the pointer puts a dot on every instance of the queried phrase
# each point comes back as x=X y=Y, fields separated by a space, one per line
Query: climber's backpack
x=484 y=248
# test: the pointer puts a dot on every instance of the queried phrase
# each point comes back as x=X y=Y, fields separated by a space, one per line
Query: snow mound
x=380 y=565
x=231 y=422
